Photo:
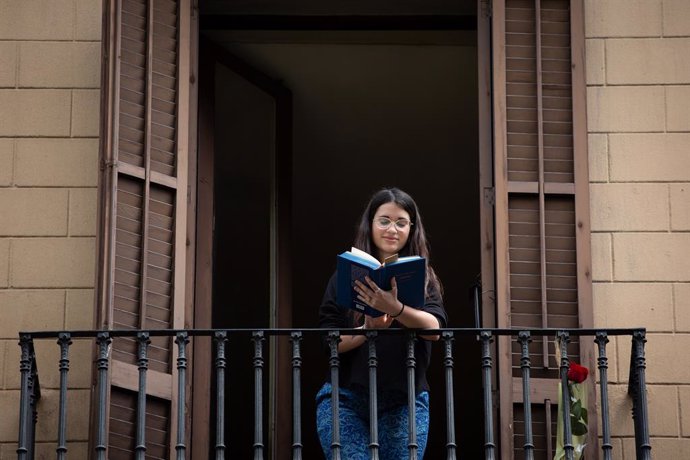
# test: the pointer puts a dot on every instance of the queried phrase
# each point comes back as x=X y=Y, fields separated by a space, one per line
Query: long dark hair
x=417 y=243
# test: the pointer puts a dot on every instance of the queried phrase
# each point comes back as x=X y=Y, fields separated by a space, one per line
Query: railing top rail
x=537 y=332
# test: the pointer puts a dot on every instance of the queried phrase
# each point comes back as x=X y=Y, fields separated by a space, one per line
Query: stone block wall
x=49 y=111
x=638 y=113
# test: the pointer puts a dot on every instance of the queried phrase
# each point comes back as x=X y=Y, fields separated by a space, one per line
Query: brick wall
x=49 y=99
x=638 y=97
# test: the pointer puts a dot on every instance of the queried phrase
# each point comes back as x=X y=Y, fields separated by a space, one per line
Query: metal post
x=64 y=340
x=334 y=362
x=601 y=340
x=296 y=337
x=220 y=337
x=25 y=366
x=451 y=446
x=103 y=340
x=143 y=340
x=642 y=445
x=373 y=397
x=525 y=339
x=489 y=444
x=563 y=339
x=182 y=339
x=412 y=445
x=258 y=338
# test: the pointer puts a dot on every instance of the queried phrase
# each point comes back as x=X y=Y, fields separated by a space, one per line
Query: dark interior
x=371 y=108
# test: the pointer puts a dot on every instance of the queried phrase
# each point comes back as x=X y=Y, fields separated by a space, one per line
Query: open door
x=243 y=239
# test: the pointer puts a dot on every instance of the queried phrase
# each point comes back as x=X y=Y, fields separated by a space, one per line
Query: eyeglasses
x=384 y=223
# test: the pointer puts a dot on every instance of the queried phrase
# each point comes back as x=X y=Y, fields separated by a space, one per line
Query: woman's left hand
x=375 y=297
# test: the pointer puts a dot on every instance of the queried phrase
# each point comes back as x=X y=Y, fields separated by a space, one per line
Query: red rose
x=577 y=373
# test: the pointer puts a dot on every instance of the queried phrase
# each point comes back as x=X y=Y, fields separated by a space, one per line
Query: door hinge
x=486 y=8
x=490 y=196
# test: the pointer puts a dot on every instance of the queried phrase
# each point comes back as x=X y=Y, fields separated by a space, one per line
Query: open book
x=409 y=273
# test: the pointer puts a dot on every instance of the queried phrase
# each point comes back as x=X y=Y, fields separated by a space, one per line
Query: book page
x=364 y=255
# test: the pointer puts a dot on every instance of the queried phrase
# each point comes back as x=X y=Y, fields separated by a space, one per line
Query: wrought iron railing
x=31 y=394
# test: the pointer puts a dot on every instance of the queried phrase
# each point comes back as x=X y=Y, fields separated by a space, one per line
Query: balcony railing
x=31 y=391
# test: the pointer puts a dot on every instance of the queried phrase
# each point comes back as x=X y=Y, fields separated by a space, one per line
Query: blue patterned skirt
x=354 y=423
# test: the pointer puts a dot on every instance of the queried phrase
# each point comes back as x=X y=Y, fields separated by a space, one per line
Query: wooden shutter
x=143 y=207
x=542 y=223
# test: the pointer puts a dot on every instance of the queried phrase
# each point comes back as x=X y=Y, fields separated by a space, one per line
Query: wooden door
x=143 y=208
x=543 y=263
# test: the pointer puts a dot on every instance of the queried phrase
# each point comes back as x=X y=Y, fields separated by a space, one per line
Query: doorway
x=370 y=108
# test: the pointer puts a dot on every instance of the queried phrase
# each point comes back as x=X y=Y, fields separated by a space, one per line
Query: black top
x=391 y=350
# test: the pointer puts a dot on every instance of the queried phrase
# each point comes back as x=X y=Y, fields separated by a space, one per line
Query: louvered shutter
x=143 y=209
x=542 y=224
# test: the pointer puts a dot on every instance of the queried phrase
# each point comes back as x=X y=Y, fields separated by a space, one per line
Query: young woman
x=391 y=224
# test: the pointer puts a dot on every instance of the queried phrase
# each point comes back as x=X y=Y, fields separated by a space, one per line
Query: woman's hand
x=381 y=322
x=384 y=301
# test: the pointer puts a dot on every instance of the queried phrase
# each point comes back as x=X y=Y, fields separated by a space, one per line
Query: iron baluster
x=258 y=338
x=220 y=338
x=296 y=338
x=103 y=340
x=489 y=444
x=143 y=340
x=182 y=339
x=373 y=396
x=412 y=445
x=642 y=446
x=25 y=366
x=524 y=338
x=334 y=362
x=563 y=340
x=64 y=340
x=451 y=446
x=601 y=340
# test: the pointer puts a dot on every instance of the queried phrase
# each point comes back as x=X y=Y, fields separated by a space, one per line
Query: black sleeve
x=332 y=316
x=434 y=305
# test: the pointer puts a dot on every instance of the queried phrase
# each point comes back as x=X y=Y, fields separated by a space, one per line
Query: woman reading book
x=390 y=224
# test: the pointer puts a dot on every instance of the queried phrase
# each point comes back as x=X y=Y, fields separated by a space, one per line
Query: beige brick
x=82 y=212
x=57 y=162
x=662 y=353
x=684 y=396
x=46 y=450
x=35 y=112
x=678 y=108
x=616 y=447
x=33 y=212
x=633 y=305
x=8 y=64
x=602 y=266
x=651 y=256
x=31 y=311
x=79 y=311
x=6 y=161
x=620 y=408
x=621 y=207
x=625 y=109
x=59 y=64
x=77 y=422
x=595 y=64
x=680 y=206
x=662 y=401
x=11 y=369
x=662 y=448
x=647 y=61
x=649 y=157
x=598 y=157
x=3 y=345
x=53 y=262
x=81 y=357
x=676 y=18
x=36 y=20
x=89 y=20
x=9 y=425
x=4 y=262
x=85 y=115
x=622 y=18
x=681 y=296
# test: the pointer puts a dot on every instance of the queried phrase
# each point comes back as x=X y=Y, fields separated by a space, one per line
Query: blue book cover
x=409 y=273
